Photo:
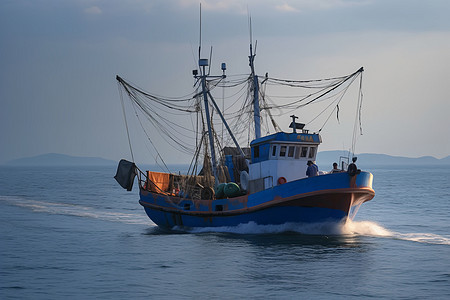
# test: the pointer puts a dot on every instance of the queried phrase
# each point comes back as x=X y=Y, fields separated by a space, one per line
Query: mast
x=256 y=109
x=203 y=63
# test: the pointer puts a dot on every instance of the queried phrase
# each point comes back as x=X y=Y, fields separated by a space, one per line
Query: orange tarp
x=158 y=182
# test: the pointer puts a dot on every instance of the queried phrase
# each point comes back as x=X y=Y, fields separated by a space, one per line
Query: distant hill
x=324 y=159
x=54 y=159
x=328 y=157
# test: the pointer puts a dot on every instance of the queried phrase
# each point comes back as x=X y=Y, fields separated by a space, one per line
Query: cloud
x=93 y=10
x=330 y=4
x=286 y=7
x=217 y=5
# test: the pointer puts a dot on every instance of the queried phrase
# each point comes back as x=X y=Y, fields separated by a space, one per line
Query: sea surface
x=74 y=233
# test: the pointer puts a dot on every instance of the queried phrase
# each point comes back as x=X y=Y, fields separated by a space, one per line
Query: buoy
x=281 y=180
x=218 y=191
x=231 y=189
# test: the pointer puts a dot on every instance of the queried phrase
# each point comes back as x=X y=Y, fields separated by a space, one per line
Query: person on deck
x=313 y=169
x=335 y=169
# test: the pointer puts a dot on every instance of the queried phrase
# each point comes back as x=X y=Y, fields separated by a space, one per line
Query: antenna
x=250 y=27
x=256 y=107
x=200 y=39
x=252 y=53
x=250 y=33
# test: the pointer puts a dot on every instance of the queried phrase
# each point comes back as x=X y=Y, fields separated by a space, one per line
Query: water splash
x=325 y=228
x=365 y=228
x=368 y=228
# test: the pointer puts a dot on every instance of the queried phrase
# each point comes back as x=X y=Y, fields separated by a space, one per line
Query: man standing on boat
x=335 y=169
x=313 y=169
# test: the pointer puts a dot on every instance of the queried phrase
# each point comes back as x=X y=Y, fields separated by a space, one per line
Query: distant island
x=324 y=159
x=371 y=159
x=54 y=159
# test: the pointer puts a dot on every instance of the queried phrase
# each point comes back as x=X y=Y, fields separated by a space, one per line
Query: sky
x=59 y=59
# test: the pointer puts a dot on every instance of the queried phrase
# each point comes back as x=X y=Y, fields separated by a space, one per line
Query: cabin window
x=274 y=150
x=283 y=151
x=291 y=151
x=304 y=151
x=297 y=152
x=312 y=152
x=256 y=151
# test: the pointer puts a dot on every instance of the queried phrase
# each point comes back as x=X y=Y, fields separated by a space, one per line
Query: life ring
x=352 y=169
x=281 y=180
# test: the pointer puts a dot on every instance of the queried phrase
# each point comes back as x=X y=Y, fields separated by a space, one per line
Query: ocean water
x=73 y=233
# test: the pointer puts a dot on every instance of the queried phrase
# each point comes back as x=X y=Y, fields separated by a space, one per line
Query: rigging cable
x=125 y=119
x=148 y=137
x=358 y=116
x=338 y=100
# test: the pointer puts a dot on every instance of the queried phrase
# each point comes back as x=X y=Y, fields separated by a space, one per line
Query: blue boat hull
x=325 y=198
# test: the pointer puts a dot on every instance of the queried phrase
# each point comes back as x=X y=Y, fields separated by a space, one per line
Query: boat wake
x=368 y=228
x=427 y=238
x=253 y=228
x=351 y=228
x=74 y=210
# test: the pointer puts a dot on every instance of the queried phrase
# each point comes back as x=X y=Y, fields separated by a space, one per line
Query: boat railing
x=343 y=162
x=269 y=180
x=142 y=177
x=183 y=186
x=148 y=184
x=260 y=184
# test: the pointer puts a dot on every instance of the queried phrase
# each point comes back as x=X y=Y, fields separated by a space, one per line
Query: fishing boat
x=262 y=180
